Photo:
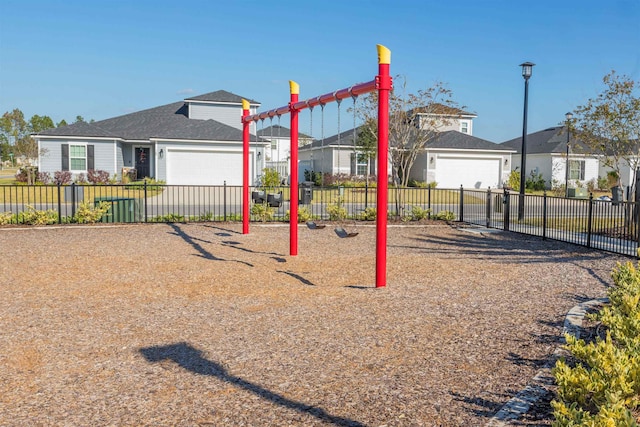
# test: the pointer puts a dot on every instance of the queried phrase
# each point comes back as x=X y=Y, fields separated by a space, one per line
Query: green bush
x=87 y=214
x=262 y=211
x=514 y=180
x=417 y=213
x=304 y=214
x=336 y=210
x=603 y=388
x=36 y=217
x=368 y=214
x=6 y=218
x=445 y=216
x=535 y=182
x=170 y=218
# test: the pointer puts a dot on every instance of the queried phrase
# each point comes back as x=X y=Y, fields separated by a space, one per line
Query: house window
x=576 y=169
x=361 y=165
x=78 y=157
x=464 y=127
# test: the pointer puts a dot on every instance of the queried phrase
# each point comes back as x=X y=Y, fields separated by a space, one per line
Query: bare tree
x=414 y=120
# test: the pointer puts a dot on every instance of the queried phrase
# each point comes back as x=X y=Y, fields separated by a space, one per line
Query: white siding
x=342 y=161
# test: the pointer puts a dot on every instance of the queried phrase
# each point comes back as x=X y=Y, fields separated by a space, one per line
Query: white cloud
x=185 y=91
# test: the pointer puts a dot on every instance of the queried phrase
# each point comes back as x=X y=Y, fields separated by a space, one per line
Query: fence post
x=73 y=199
x=59 y=205
x=366 y=194
x=145 y=200
x=590 y=220
x=488 y=207
x=461 y=218
x=429 y=200
x=506 y=201
x=544 y=215
x=224 y=200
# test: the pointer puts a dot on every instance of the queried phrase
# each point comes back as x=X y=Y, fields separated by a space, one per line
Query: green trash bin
x=123 y=209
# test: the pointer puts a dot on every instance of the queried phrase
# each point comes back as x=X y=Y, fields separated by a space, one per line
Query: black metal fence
x=601 y=224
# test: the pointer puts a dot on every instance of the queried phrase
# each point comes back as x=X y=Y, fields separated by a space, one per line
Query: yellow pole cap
x=384 y=55
x=245 y=104
x=294 y=88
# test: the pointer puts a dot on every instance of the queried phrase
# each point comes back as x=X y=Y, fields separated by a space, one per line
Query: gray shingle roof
x=166 y=121
x=551 y=140
x=462 y=141
x=279 y=132
x=221 y=96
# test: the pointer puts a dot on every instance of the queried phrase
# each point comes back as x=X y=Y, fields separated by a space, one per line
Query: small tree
x=610 y=123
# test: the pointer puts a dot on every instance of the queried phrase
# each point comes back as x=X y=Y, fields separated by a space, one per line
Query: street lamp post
x=568 y=116
x=527 y=68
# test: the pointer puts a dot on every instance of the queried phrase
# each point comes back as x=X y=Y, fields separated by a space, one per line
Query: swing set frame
x=383 y=84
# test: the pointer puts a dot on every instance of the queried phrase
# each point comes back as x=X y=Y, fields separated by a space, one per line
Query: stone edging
x=538 y=387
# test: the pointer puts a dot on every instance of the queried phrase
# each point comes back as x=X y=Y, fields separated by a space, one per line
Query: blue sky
x=102 y=59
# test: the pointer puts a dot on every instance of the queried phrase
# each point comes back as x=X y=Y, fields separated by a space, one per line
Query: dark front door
x=143 y=168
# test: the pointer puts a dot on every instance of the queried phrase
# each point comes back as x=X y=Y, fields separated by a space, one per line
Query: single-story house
x=547 y=156
x=450 y=159
x=196 y=141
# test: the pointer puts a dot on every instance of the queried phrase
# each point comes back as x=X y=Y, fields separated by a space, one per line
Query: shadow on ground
x=191 y=359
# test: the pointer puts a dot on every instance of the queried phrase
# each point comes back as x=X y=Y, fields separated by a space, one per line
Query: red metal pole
x=245 y=167
x=384 y=86
x=293 y=188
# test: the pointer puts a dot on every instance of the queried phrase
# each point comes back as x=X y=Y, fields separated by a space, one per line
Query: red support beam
x=245 y=167
x=293 y=185
x=383 y=85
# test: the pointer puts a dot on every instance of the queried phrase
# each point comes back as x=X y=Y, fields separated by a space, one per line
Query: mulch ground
x=199 y=325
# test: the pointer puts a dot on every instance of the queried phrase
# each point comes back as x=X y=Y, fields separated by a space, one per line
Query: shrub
x=170 y=218
x=87 y=214
x=445 y=216
x=62 y=177
x=262 y=211
x=591 y=185
x=603 y=183
x=44 y=177
x=535 y=182
x=419 y=184
x=98 y=177
x=304 y=214
x=603 y=388
x=81 y=178
x=270 y=179
x=6 y=218
x=336 y=210
x=417 y=213
x=369 y=214
x=23 y=174
x=514 y=180
x=36 y=217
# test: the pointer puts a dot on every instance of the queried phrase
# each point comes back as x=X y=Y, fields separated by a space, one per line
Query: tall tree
x=609 y=124
x=16 y=132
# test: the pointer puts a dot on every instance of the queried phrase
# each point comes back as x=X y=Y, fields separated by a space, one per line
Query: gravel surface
x=199 y=325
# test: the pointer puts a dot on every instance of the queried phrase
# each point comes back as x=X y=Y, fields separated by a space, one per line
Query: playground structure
x=383 y=84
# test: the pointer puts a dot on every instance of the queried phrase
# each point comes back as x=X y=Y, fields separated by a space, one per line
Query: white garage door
x=468 y=172
x=204 y=167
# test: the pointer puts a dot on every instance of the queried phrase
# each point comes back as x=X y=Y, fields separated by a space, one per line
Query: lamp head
x=527 y=69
